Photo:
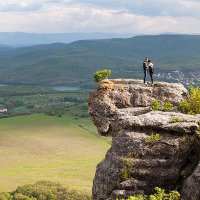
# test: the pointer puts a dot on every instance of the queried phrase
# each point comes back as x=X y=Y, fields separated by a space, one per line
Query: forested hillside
x=64 y=64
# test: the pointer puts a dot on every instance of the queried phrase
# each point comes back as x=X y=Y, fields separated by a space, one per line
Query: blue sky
x=113 y=16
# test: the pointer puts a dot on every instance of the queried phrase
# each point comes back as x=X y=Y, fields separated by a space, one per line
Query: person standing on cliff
x=145 y=68
x=150 y=69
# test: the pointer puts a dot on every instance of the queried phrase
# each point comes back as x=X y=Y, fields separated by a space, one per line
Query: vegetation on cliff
x=100 y=75
x=159 y=195
x=192 y=103
x=163 y=106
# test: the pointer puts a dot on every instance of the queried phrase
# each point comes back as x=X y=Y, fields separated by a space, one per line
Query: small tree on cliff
x=102 y=74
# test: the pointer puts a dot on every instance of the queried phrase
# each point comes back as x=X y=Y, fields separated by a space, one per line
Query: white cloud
x=121 y=16
x=149 y=7
x=19 y=6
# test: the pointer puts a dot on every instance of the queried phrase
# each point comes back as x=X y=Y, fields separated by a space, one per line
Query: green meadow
x=41 y=147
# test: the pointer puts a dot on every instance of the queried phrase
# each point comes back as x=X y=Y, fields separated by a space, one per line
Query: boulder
x=190 y=189
x=128 y=96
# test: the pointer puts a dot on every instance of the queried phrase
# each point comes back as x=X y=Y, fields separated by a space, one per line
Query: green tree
x=100 y=75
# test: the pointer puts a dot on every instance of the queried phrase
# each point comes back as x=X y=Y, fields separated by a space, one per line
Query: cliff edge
x=149 y=148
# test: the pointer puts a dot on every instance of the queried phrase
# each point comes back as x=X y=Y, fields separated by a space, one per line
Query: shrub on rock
x=100 y=75
x=192 y=103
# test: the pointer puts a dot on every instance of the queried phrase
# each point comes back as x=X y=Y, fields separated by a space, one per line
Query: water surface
x=66 y=88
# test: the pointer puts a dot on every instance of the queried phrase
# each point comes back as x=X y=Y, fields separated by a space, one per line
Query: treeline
x=43 y=190
x=28 y=100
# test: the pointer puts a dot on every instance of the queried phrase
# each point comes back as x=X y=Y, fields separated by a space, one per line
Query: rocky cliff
x=149 y=148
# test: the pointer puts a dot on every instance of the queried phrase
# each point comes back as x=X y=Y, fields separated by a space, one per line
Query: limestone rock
x=191 y=186
x=103 y=104
x=133 y=165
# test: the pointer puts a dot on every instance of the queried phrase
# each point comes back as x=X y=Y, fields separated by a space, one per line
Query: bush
x=156 y=105
x=138 y=197
x=153 y=138
x=159 y=195
x=22 y=197
x=192 y=103
x=57 y=113
x=125 y=173
x=5 y=196
x=100 y=75
x=44 y=190
x=167 y=106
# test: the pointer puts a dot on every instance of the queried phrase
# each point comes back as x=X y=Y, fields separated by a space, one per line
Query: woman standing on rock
x=150 y=69
x=145 y=67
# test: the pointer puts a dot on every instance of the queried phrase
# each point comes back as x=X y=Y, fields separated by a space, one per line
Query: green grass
x=40 y=147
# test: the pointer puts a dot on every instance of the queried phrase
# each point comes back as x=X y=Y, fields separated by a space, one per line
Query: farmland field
x=41 y=147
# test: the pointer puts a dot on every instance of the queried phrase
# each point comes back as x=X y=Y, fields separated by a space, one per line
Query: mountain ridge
x=18 y=39
x=74 y=63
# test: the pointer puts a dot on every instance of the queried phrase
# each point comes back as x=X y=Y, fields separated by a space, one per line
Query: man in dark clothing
x=145 y=67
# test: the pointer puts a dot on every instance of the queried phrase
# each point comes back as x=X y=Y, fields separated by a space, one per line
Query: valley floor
x=41 y=147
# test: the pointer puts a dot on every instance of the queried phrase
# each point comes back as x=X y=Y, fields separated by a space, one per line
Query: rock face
x=191 y=186
x=137 y=162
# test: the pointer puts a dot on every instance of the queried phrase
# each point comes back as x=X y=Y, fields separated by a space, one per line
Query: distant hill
x=5 y=48
x=29 y=39
x=74 y=63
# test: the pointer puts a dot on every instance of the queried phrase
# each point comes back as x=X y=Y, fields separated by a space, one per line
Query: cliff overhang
x=121 y=108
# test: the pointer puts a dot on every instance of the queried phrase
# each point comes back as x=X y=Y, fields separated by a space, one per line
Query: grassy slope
x=40 y=147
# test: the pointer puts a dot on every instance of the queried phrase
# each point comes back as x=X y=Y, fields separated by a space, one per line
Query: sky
x=107 y=16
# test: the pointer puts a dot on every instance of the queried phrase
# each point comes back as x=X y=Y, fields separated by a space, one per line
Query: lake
x=58 y=88
x=66 y=88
